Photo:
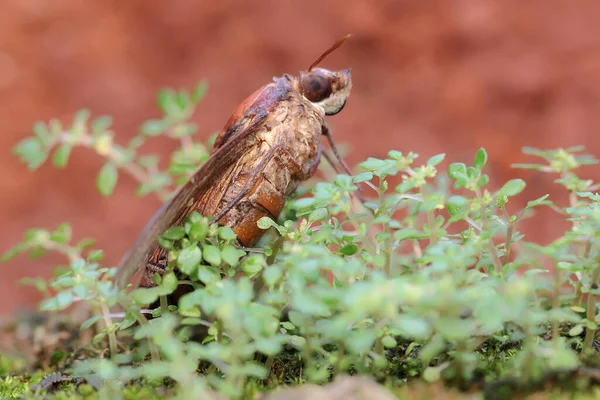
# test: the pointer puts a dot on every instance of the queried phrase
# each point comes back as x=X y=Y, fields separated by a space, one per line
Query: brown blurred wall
x=429 y=76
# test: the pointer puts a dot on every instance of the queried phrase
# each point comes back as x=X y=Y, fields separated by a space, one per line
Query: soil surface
x=430 y=76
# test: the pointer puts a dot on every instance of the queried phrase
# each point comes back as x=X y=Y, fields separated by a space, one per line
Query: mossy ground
x=32 y=370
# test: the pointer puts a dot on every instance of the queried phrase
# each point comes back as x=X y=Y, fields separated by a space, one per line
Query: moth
x=270 y=144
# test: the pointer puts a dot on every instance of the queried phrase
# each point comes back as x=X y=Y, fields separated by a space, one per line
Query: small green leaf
x=473 y=172
x=81 y=117
x=101 y=124
x=169 y=282
x=96 y=255
x=537 y=202
x=166 y=100
x=91 y=321
x=591 y=325
x=153 y=127
x=188 y=259
x=197 y=230
x=231 y=255
x=535 y=167
x=304 y=202
x=41 y=132
x=107 y=179
x=349 y=249
x=148 y=161
x=61 y=155
x=456 y=170
x=483 y=180
x=435 y=160
x=61 y=301
x=288 y=325
x=343 y=181
x=99 y=337
x=576 y=330
x=363 y=177
x=144 y=296
x=456 y=205
x=266 y=222
x=199 y=91
x=174 y=233
x=165 y=243
x=226 y=233
x=212 y=255
x=31 y=152
x=80 y=290
x=208 y=275
x=272 y=275
x=409 y=233
x=252 y=267
x=431 y=374
x=319 y=214
x=128 y=321
x=39 y=283
x=389 y=342
x=192 y=317
x=56 y=127
x=480 y=159
x=182 y=99
x=12 y=253
x=512 y=187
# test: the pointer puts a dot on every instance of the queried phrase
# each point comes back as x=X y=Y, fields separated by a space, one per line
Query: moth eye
x=315 y=87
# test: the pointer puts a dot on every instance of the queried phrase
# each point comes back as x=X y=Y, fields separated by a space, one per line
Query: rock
x=343 y=388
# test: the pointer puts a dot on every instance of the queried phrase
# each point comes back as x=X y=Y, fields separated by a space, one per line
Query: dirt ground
x=429 y=76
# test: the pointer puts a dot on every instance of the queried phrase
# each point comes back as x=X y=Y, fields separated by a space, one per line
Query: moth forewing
x=183 y=199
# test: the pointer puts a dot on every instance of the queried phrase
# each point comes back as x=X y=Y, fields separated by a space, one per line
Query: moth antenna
x=329 y=51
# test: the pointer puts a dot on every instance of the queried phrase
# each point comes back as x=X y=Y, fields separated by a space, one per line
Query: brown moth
x=270 y=144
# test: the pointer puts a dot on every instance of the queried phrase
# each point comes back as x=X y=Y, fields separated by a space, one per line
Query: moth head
x=326 y=89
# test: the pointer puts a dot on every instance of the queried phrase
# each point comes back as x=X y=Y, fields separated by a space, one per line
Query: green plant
x=424 y=280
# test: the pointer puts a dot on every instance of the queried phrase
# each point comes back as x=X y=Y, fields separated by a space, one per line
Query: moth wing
x=239 y=138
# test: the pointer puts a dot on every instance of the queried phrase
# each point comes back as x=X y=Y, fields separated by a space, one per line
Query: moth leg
x=250 y=183
x=315 y=163
x=329 y=159
x=325 y=131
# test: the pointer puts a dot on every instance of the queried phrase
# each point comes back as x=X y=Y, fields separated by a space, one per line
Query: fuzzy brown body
x=283 y=152
x=293 y=127
x=270 y=144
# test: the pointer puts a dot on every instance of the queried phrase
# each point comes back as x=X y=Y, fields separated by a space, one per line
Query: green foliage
x=56 y=141
x=427 y=272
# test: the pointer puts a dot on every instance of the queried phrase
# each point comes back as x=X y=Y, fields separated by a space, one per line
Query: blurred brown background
x=429 y=76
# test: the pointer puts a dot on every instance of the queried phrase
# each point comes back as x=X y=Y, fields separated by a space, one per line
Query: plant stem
x=164 y=305
x=578 y=287
x=387 y=243
x=69 y=252
x=484 y=226
x=141 y=319
x=378 y=346
x=431 y=223
x=340 y=356
x=112 y=338
x=590 y=334
x=114 y=155
x=219 y=337
x=509 y=234
x=306 y=353
x=556 y=303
